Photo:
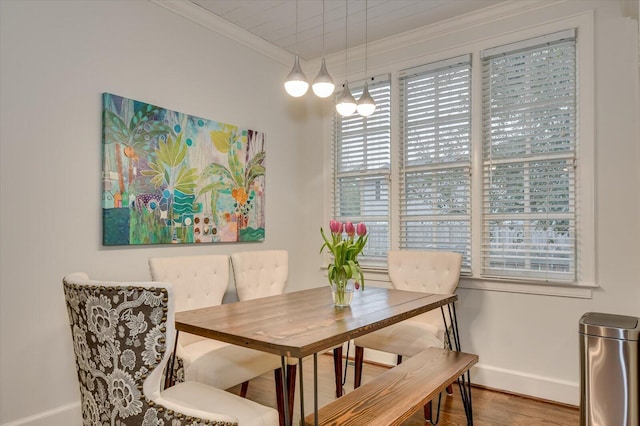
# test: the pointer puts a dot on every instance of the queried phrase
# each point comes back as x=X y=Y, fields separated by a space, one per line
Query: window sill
x=579 y=291
x=379 y=274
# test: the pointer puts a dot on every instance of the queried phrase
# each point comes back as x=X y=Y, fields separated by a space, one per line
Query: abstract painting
x=170 y=177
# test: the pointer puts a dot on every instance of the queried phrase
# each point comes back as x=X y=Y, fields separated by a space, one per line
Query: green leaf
x=186 y=180
x=215 y=169
x=257 y=159
x=221 y=140
x=157 y=180
x=237 y=172
x=115 y=129
x=253 y=173
x=211 y=188
x=142 y=115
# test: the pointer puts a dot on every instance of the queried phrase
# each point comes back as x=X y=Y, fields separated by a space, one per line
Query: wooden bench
x=393 y=396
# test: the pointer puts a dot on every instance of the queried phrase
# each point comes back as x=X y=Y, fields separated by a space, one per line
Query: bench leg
x=357 y=375
x=337 y=367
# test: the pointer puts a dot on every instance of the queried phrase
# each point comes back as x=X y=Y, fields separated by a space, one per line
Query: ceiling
x=275 y=20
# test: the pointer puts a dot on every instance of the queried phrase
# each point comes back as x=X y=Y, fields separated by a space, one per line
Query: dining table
x=306 y=322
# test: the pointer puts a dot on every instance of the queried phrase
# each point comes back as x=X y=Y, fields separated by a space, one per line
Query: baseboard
x=66 y=415
x=524 y=384
x=510 y=381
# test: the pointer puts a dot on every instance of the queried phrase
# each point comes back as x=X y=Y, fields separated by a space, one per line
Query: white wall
x=57 y=57
x=528 y=343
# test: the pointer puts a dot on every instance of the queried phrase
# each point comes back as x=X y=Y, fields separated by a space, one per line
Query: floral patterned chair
x=121 y=332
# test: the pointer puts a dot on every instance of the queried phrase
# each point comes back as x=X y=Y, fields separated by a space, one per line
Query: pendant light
x=346 y=103
x=366 y=104
x=296 y=84
x=323 y=85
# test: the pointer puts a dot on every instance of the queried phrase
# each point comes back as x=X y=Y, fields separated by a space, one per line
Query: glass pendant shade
x=323 y=85
x=296 y=84
x=346 y=103
x=366 y=104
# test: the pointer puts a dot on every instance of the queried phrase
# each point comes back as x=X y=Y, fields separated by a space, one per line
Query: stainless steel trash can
x=610 y=374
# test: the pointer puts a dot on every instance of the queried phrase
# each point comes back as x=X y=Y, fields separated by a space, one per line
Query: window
x=529 y=159
x=361 y=169
x=435 y=164
x=479 y=154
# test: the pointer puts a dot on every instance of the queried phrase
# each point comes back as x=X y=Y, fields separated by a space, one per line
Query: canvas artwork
x=170 y=177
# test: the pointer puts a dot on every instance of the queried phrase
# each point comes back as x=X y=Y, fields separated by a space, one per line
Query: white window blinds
x=435 y=183
x=529 y=159
x=361 y=167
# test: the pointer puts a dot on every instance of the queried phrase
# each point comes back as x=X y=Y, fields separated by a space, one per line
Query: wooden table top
x=304 y=322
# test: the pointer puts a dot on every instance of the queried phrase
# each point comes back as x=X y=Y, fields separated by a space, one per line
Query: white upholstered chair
x=425 y=271
x=265 y=273
x=121 y=332
x=260 y=273
x=201 y=281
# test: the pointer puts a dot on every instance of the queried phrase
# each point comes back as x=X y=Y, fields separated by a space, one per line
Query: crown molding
x=209 y=20
x=201 y=16
x=463 y=22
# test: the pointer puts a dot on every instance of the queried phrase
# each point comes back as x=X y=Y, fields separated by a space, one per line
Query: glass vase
x=342 y=291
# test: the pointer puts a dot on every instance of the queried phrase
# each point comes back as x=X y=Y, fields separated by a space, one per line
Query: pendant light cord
x=323 y=50
x=346 y=45
x=366 y=36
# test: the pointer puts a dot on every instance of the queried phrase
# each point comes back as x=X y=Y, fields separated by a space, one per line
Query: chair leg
x=279 y=395
x=399 y=360
x=357 y=375
x=244 y=388
x=450 y=389
x=291 y=385
x=337 y=368
x=427 y=411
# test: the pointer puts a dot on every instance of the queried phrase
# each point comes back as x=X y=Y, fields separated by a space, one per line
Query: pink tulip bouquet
x=345 y=248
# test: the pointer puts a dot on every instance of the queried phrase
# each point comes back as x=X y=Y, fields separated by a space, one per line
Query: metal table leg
x=315 y=388
x=168 y=380
x=301 y=392
x=285 y=387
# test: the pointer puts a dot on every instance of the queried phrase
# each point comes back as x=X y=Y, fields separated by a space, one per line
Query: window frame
x=583 y=23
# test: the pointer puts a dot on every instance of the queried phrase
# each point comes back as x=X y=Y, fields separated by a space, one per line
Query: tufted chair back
x=121 y=332
x=199 y=282
x=424 y=271
x=260 y=273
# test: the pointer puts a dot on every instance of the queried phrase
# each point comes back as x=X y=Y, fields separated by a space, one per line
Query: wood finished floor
x=490 y=408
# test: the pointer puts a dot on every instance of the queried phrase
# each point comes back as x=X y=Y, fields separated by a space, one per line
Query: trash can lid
x=610 y=325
